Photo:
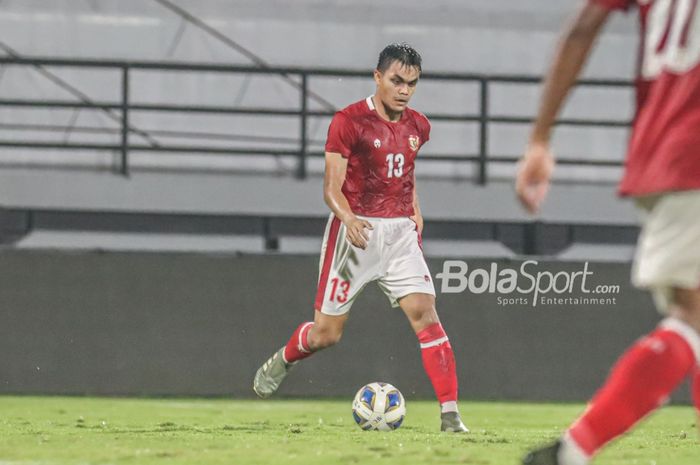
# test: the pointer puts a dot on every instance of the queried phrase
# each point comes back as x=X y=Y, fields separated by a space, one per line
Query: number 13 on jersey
x=394 y=165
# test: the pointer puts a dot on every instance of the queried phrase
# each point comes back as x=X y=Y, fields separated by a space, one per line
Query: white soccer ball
x=378 y=406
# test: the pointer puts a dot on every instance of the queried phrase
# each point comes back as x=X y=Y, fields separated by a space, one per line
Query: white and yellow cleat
x=269 y=376
x=452 y=423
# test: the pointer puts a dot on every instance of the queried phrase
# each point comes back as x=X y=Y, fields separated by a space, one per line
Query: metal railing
x=123 y=108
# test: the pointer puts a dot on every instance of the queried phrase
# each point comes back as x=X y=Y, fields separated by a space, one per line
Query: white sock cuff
x=570 y=453
x=450 y=406
x=434 y=343
x=685 y=331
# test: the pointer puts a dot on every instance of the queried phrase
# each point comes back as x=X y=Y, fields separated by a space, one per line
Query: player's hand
x=356 y=233
x=534 y=173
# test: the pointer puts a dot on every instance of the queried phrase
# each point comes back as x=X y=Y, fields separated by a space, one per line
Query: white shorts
x=668 y=250
x=393 y=258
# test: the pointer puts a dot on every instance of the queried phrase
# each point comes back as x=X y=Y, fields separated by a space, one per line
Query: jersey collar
x=371 y=107
x=370 y=103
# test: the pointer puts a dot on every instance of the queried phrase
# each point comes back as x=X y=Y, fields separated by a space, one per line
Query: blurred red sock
x=640 y=382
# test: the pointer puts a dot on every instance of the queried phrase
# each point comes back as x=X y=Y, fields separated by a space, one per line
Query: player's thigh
x=420 y=310
x=407 y=281
x=668 y=255
x=344 y=269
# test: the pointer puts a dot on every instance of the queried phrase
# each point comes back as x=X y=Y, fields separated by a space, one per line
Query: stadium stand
x=57 y=179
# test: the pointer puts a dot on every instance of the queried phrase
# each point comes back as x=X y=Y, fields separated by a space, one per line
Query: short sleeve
x=623 y=5
x=341 y=135
x=424 y=127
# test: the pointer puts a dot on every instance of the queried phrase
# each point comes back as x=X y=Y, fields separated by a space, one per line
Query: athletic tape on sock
x=685 y=331
x=434 y=343
x=302 y=336
x=432 y=336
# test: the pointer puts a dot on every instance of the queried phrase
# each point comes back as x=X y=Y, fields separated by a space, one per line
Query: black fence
x=299 y=77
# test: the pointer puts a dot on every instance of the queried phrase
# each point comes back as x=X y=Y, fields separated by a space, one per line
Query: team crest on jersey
x=413 y=142
x=377 y=143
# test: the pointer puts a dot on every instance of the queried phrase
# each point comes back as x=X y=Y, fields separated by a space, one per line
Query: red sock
x=298 y=346
x=439 y=362
x=640 y=381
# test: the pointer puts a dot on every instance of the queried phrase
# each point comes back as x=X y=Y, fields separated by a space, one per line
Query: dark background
x=192 y=325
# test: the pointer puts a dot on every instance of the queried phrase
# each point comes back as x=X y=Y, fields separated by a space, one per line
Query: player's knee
x=423 y=317
x=686 y=306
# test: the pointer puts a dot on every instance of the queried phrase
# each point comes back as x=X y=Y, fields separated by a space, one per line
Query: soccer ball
x=378 y=406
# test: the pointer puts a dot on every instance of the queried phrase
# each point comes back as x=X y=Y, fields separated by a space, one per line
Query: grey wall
x=224 y=193
x=168 y=324
x=485 y=35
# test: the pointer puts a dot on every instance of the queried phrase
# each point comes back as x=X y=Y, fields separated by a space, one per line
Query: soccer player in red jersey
x=374 y=230
x=662 y=174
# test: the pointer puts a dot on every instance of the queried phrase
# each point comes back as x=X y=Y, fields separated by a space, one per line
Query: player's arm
x=417 y=215
x=336 y=167
x=534 y=173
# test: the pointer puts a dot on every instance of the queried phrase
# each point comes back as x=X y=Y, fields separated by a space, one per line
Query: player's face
x=396 y=85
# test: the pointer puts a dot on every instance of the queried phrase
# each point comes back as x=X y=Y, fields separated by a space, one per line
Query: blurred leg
x=644 y=376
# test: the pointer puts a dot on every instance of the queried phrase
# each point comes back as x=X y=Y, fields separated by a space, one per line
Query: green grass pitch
x=81 y=431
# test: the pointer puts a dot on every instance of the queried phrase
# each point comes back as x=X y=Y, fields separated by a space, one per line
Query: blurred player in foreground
x=662 y=173
x=374 y=230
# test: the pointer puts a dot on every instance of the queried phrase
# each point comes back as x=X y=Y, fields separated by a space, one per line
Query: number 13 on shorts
x=339 y=290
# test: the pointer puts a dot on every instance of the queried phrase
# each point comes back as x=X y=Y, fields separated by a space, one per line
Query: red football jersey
x=664 y=149
x=381 y=155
